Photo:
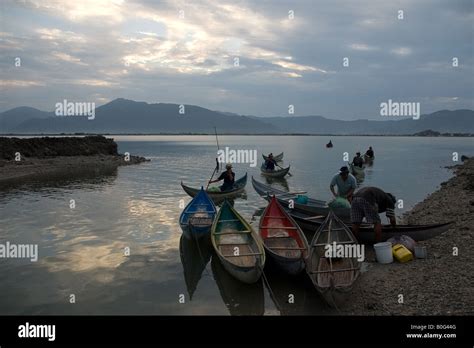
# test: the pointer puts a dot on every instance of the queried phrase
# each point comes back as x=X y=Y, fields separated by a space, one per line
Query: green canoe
x=236 y=244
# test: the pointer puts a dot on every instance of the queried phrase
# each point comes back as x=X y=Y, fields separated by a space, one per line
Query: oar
x=282 y=168
x=216 y=169
x=218 y=148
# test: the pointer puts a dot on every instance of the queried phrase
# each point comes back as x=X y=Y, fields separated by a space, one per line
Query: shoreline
x=59 y=135
x=439 y=284
x=43 y=159
x=15 y=173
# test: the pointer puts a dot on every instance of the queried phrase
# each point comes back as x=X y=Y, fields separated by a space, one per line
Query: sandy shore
x=13 y=172
x=442 y=284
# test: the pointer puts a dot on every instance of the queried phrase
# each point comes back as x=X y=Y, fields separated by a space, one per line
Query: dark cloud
x=142 y=50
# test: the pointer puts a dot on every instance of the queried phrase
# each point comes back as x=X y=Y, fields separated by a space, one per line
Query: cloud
x=19 y=83
x=362 y=47
x=146 y=50
x=401 y=51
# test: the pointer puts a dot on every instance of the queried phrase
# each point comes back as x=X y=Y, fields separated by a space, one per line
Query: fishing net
x=339 y=202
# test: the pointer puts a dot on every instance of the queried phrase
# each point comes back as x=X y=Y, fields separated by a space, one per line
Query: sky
x=247 y=57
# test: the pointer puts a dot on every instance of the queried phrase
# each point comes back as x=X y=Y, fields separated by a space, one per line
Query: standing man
x=346 y=184
x=368 y=202
x=229 y=178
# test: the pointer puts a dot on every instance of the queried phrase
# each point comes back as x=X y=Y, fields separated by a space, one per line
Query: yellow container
x=401 y=253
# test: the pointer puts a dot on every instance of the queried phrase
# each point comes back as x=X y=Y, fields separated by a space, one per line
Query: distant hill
x=127 y=116
x=444 y=121
x=13 y=118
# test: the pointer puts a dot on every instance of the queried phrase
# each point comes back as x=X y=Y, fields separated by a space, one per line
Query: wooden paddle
x=282 y=168
x=216 y=169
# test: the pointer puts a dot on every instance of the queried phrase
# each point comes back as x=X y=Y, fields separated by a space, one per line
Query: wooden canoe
x=283 y=239
x=331 y=275
x=312 y=207
x=236 y=244
x=195 y=255
x=369 y=160
x=358 y=172
x=197 y=217
x=239 y=187
x=238 y=297
x=366 y=235
x=277 y=158
x=277 y=173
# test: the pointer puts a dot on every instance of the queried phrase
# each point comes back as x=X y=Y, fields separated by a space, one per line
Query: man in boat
x=369 y=202
x=370 y=152
x=270 y=162
x=357 y=160
x=229 y=178
x=329 y=144
x=346 y=184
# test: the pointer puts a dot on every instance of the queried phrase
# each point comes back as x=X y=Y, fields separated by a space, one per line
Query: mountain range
x=122 y=116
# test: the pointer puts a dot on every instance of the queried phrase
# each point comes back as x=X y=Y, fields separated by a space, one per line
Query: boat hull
x=367 y=235
x=290 y=266
x=283 y=240
x=247 y=275
x=275 y=173
x=358 y=172
x=332 y=276
x=229 y=232
x=314 y=206
x=368 y=160
x=217 y=197
x=193 y=232
x=197 y=217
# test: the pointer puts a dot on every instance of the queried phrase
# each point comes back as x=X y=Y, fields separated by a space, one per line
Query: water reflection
x=239 y=298
x=279 y=182
x=293 y=295
x=195 y=255
x=83 y=178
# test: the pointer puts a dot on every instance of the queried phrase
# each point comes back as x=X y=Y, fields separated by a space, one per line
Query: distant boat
x=277 y=158
x=357 y=171
x=276 y=173
x=329 y=145
x=368 y=160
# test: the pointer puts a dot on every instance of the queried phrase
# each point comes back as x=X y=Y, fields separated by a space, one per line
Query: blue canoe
x=198 y=216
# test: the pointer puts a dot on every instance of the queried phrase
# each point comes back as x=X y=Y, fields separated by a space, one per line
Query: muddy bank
x=442 y=284
x=43 y=158
x=57 y=146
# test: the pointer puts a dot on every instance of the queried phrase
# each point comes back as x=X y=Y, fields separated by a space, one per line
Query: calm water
x=81 y=250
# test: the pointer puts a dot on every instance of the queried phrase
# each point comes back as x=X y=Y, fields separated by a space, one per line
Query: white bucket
x=383 y=252
x=420 y=252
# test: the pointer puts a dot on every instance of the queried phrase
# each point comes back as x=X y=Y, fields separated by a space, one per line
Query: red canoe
x=283 y=239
